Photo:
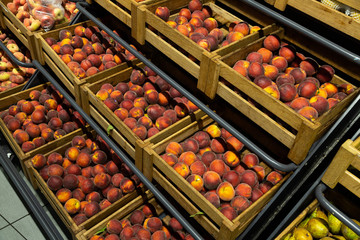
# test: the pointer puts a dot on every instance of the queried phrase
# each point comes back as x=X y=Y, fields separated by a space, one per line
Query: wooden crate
x=125 y=213
x=133 y=144
x=17 y=27
x=310 y=208
x=338 y=171
x=307 y=132
x=326 y=14
x=5 y=103
x=190 y=199
x=200 y=68
x=61 y=69
x=59 y=208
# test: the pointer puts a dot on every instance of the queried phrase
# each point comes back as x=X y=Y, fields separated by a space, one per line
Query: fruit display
x=214 y=163
x=198 y=22
x=88 y=50
x=146 y=103
x=41 y=118
x=296 y=80
x=38 y=14
x=143 y=223
x=84 y=177
x=321 y=225
x=12 y=75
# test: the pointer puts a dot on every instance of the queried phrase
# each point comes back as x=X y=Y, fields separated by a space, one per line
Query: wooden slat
x=351 y=182
x=313 y=205
x=351 y=3
x=257 y=116
x=115 y=10
x=330 y=16
x=16 y=32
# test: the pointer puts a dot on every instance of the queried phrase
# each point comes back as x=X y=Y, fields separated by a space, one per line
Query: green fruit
x=318 y=227
x=337 y=237
x=348 y=233
x=287 y=236
x=334 y=224
x=304 y=222
x=319 y=214
x=302 y=234
x=327 y=238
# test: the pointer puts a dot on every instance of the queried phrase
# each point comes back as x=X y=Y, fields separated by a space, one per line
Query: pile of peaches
x=12 y=75
x=35 y=13
x=85 y=178
x=296 y=80
x=42 y=118
x=147 y=104
x=197 y=23
x=89 y=51
x=143 y=224
x=213 y=162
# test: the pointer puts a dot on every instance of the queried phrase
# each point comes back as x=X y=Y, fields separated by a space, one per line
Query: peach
x=114 y=226
x=163 y=13
x=320 y=104
x=85 y=64
x=55 y=123
x=232 y=177
x=97 y=169
x=187 y=157
x=288 y=52
x=214 y=131
x=255 y=69
x=198 y=167
x=204 y=43
x=83 y=159
x=127 y=233
x=203 y=137
x=38 y=161
x=279 y=62
x=151 y=96
x=56 y=48
x=210 y=24
x=299 y=103
x=87 y=186
x=78 y=141
x=271 y=71
x=240 y=203
x=102 y=94
x=102 y=180
x=183 y=29
x=339 y=95
x=127 y=185
x=266 y=55
x=153 y=224
x=229 y=212
x=262 y=81
x=111 y=103
x=54 y=183
x=63 y=34
x=72 y=206
x=234 y=36
x=298 y=74
x=185 y=12
x=211 y=180
x=309 y=113
x=163 y=122
x=307 y=89
x=99 y=157
x=104 y=204
x=325 y=74
x=230 y=158
x=198 y=34
x=140 y=131
x=234 y=144
x=79 y=218
x=130 y=122
x=330 y=88
x=196 y=181
x=287 y=92
x=180 y=20
x=225 y=191
x=213 y=198
x=254 y=57
x=309 y=65
x=346 y=88
x=26 y=107
x=174 y=148
x=272 y=42
x=170 y=158
x=55 y=170
x=243 y=189
x=78 y=194
x=195 y=5
x=21 y=137
x=70 y=181
x=130 y=95
x=93 y=197
x=27 y=146
x=208 y=157
x=265 y=186
x=182 y=169
x=242 y=28
x=94 y=59
x=91 y=209
x=283 y=78
x=73 y=169
x=249 y=177
x=145 y=121
x=55 y=158
x=63 y=195
x=256 y=194
x=218 y=145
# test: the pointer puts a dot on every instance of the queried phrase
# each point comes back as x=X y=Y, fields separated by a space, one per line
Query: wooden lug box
x=19 y=87
x=59 y=208
x=204 y=212
x=105 y=117
x=306 y=131
x=18 y=28
x=125 y=11
x=181 y=49
x=338 y=171
x=5 y=103
x=62 y=70
x=125 y=213
x=326 y=14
